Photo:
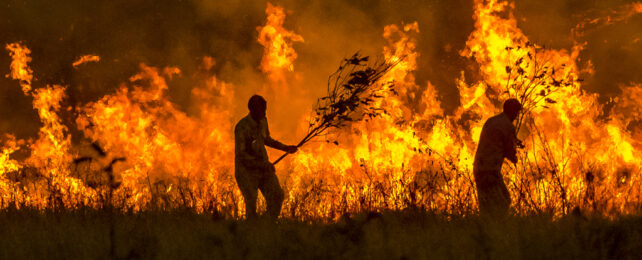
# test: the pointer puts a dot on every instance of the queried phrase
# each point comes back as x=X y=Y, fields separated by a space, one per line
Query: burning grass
x=83 y=234
x=318 y=200
x=152 y=181
x=153 y=156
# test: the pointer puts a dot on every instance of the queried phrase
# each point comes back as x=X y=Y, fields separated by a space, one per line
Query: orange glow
x=608 y=17
x=140 y=151
x=277 y=41
x=85 y=59
x=19 y=65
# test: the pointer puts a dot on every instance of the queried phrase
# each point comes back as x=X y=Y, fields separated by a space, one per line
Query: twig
x=352 y=91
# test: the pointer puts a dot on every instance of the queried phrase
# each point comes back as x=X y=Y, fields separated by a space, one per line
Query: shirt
x=496 y=142
x=249 y=147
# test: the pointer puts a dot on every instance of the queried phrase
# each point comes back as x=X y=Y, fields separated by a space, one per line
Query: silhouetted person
x=497 y=141
x=253 y=170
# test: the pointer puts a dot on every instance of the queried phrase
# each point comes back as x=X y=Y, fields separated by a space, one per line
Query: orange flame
x=414 y=155
x=278 y=44
x=19 y=65
x=85 y=59
x=567 y=140
x=607 y=17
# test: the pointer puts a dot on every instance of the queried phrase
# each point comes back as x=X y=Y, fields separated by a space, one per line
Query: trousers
x=492 y=194
x=250 y=182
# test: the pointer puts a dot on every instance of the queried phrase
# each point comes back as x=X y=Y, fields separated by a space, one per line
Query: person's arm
x=509 y=140
x=240 y=145
x=276 y=144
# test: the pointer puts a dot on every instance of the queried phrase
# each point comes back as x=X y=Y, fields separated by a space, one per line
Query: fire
x=85 y=59
x=167 y=152
x=11 y=145
x=141 y=151
x=277 y=41
x=607 y=17
x=19 y=68
x=565 y=140
x=50 y=154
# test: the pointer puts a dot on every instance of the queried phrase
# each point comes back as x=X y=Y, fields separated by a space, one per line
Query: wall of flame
x=417 y=154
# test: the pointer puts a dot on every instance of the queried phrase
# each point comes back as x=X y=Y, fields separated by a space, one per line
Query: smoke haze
x=125 y=33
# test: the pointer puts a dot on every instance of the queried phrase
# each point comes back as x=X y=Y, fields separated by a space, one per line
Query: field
x=86 y=234
x=118 y=141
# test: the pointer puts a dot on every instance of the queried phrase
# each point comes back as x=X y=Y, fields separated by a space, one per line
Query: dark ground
x=85 y=234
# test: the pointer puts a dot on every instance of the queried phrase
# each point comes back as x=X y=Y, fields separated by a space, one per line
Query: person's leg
x=503 y=198
x=498 y=199
x=481 y=182
x=492 y=194
x=249 y=188
x=484 y=199
x=273 y=194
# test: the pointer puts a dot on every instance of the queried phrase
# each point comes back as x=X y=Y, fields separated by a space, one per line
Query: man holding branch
x=497 y=141
x=253 y=170
x=353 y=92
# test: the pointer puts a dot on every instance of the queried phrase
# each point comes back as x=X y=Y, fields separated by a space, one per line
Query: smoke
x=610 y=31
x=125 y=33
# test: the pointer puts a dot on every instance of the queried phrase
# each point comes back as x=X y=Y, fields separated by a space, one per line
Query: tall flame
x=277 y=41
x=19 y=65
x=567 y=141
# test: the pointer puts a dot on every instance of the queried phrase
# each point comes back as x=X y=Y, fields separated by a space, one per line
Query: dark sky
x=179 y=33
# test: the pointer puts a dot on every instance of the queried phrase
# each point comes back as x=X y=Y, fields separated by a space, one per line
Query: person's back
x=496 y=142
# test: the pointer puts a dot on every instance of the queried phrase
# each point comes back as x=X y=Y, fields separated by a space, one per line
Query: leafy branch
x=533 y=81
x=352 y=94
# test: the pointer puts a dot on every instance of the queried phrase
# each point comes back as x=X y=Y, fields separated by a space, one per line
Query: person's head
x=258 y=107
x=512 y=108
